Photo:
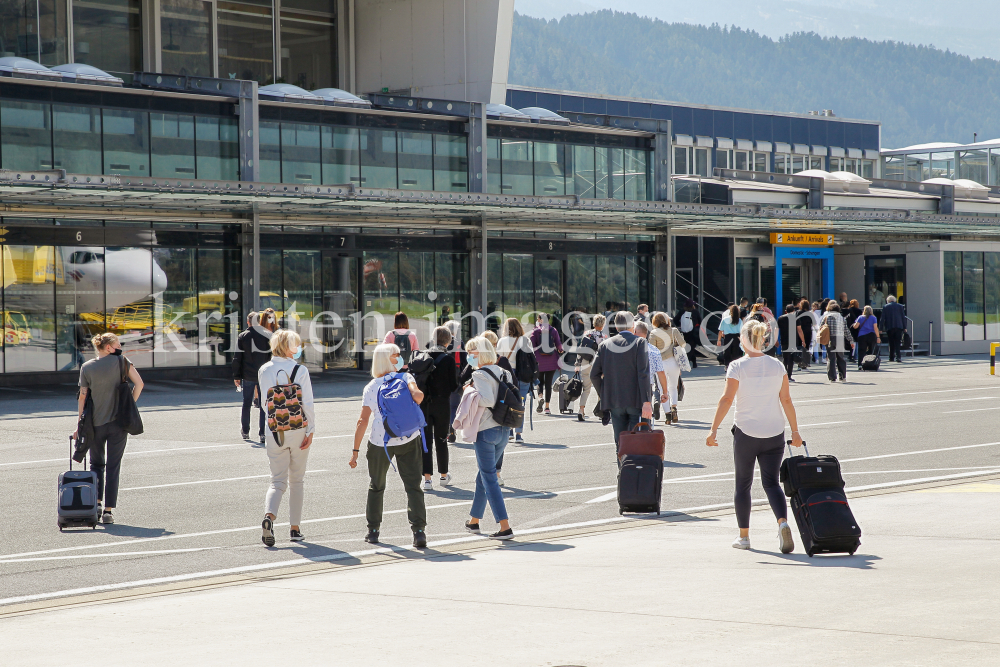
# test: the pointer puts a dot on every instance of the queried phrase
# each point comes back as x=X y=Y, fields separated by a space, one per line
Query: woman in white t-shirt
x=759 y=385
x=408 y=451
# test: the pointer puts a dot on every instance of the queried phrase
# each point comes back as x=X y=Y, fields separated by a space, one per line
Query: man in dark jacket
x=894 y=322
x=620 y=374
x=253 y=350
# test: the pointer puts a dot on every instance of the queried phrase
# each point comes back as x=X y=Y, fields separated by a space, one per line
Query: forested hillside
x=919 y=93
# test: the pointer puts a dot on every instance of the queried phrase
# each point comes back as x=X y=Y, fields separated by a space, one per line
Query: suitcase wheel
x=851 y=553
x=621 y=512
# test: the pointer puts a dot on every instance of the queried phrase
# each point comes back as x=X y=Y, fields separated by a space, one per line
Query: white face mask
x=474 y=361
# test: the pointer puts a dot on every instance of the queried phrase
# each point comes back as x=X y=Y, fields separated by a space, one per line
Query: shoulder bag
x=127 y=417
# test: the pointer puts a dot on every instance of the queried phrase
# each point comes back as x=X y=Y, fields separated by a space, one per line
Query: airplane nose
x=159 y=278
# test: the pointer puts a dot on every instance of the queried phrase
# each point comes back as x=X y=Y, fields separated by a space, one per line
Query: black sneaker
x=372 y=537
x=262 y=438
x=503 y=535
x=296 y=536
x=472 y=527
x=267 y=532
x=245 y=435
x=539 y=408
x=580 y=417
x=419 y=539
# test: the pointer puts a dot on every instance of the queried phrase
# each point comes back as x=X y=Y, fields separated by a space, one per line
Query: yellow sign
x=785 y=238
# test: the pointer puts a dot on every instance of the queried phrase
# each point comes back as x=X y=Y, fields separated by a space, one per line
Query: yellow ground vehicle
x=15 y=328
x=133 y=318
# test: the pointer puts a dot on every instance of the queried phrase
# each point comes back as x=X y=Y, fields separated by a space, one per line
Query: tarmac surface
x=192 y=491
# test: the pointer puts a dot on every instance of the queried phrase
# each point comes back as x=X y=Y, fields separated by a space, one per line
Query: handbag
x=127 y=416
x=681 y=357
x=680 y=389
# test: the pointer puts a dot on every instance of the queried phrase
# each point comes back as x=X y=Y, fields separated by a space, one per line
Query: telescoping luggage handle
x=803 y=447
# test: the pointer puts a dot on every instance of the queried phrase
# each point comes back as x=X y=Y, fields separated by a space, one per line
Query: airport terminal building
x=166 y=166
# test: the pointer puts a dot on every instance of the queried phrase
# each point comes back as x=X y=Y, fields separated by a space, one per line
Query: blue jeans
x=524 y=389
x=489 y=447
x=624 y=419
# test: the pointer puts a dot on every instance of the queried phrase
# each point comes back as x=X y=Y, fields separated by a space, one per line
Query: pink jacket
x=468 y=416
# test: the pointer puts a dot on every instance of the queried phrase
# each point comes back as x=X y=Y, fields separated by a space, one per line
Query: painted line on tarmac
x=155 y=552
x=865 y=396
x=920 y=451
x=205 y=481
x=951 y=412
x=547 y=449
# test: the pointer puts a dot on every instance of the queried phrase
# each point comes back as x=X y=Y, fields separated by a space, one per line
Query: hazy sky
x=970 y=27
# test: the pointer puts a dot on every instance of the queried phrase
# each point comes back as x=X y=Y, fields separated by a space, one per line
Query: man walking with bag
x=894 y=322
x=620 y=375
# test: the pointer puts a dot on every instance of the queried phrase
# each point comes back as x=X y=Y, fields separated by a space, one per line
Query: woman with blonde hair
x=287 y=451
x=868 y=334
x=406 y=449
x=665 y=337
x=759 y=385
x=491 y=438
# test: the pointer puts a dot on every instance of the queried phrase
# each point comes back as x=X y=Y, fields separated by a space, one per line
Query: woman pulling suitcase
x=759 y=385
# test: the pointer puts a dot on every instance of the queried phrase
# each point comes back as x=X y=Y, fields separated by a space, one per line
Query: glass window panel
x=495 y=284
x=943 y=165
x=974 y=166
x=722 y=159
x=917 y=167
x=76 y=133
x=952 y=296
x=746 y=278
x=303 y=283
x=550 y=169
x=416 y=282
x=172 y=144
x=636 y=281
x=19 y=29
x=868 y=169
x=994 y=166
x=798 y=163
x=106 y=34
x=381 y=293
x=25 y=136
x=340 y=296
x=892 y=169
x=611 y=283
x=972 y=292
x=451 y=163
x=583 y=171
x=618 y=173
x=493 y=167
x=378 y=158
x=767 y=287
x=300 y=153
x=132 y=277
x=518 y=286
x=79 y=304
x=741 y=160
x=416 y=164
x=601 y=172
x=451 y=282
x=548 y=289
x=760 y=161
x=219 y=278
x=701 y=161
x=308 y=49
x=30 y=275
x=816 y=162
x=636 y=175
x=991 y=273
x=681 y=160
x=218 y=148
x=246 y=42
x=186 y=37
x=518 y=173
x=781 y=162
x=272 y=294
x=270 y=152
x=126 y=142
x=581 y=285
x=53 y=30
x=175 y=313
x=341 y=156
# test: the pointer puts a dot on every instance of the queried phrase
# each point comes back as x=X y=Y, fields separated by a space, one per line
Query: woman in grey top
x=100 y=378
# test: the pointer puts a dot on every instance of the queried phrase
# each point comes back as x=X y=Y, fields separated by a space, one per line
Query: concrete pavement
x=922 y=590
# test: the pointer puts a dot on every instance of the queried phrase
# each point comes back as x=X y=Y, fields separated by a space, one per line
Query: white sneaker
x=446 y=480
x=427 y=486
x=785 y=542
x=741 y=543
x=499 y=479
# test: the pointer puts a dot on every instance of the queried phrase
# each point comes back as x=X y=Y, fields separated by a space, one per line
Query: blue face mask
x=399 y=363
x=473 y=361
x=297 y=355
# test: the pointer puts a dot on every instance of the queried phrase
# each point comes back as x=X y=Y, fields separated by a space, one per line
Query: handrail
x=913 y=342
x=724 y=304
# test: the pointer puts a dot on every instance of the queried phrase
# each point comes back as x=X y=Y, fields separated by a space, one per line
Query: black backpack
x=508 y=411
x=420 y=367
x=525 y=365
x=403 y=343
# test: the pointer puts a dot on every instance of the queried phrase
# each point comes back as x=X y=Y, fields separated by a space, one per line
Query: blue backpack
x=401 y=416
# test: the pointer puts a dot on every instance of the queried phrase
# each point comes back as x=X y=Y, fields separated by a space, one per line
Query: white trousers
x=673 y=373
x=288 y=472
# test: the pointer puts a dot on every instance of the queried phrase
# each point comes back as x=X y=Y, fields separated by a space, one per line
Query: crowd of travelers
x=419 y=401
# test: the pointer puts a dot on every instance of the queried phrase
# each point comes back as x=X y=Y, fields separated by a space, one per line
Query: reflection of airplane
x=103 y=279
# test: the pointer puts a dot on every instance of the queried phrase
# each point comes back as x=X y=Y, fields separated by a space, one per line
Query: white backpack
x=687 y=323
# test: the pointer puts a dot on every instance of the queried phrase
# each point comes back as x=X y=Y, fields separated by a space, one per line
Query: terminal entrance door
x=884 y=276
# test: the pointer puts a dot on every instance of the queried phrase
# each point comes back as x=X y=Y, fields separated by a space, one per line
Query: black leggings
x=545 y=380
x=436 y=412
x=767 y=453
x=866 y=345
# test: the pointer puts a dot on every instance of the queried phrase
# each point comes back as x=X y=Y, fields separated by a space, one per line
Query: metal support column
x=477 y=271
x=249 y=145
x=661 y=164
x=477 y=147
x=663 y=262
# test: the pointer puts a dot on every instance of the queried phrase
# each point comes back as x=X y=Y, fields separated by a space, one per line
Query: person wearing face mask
x=100 y=379
x=287 y=451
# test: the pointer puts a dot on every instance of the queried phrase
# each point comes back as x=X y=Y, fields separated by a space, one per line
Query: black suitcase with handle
x=640 y=483
x=76 y=497
x=815 y=487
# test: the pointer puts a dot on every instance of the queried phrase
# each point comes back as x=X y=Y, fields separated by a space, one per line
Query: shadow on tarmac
x=857 y=561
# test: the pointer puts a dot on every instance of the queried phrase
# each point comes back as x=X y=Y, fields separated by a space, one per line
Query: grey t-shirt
x=102 y=377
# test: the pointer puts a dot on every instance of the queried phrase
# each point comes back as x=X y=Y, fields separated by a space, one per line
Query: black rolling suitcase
x=76 y=497
x=640 y=482
x=815 y=487
x=871 y=362
x=559 y=389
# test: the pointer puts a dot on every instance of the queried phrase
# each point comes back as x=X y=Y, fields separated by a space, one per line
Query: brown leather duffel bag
x=642 y=439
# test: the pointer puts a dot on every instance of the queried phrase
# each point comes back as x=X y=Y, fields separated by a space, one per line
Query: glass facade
x=309 y=44
x=186 y=37
x=971 y=295
x=107 y=34
x=246 y=41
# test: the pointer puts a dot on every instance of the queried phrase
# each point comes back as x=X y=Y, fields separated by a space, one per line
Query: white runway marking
x=951 y=412
x=207 y=481
x=153 y=552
